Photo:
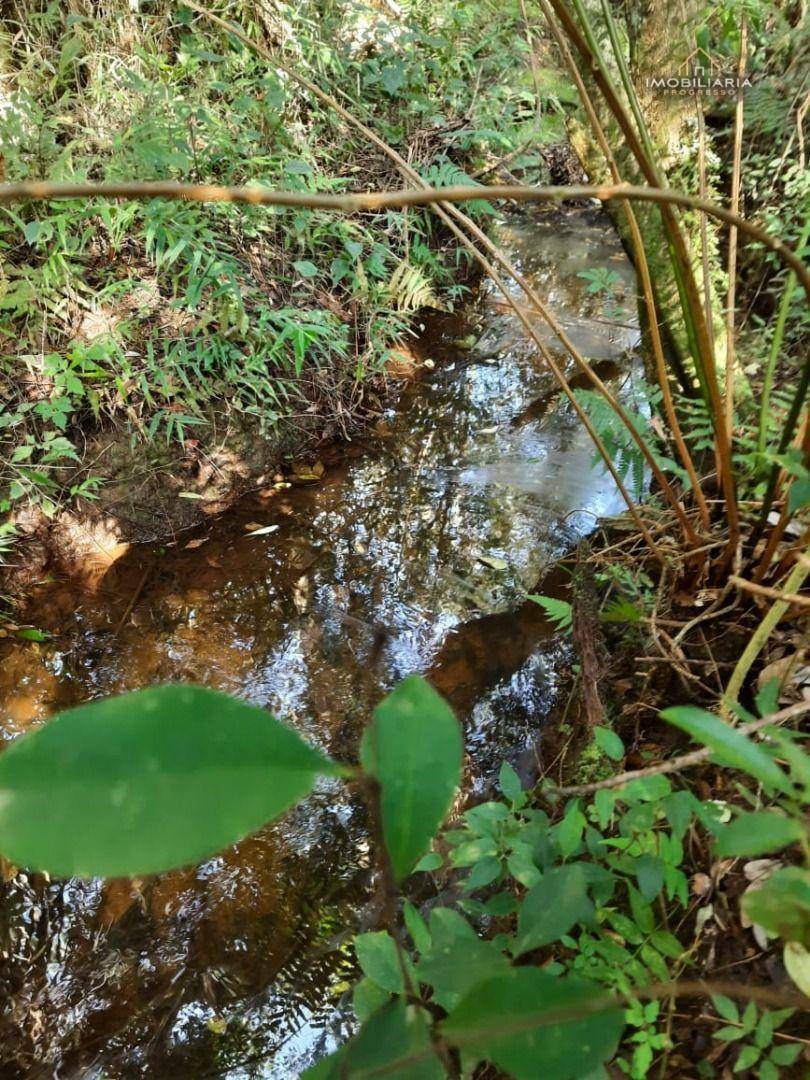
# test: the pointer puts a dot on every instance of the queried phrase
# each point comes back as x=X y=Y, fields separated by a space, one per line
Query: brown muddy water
x=239 y=967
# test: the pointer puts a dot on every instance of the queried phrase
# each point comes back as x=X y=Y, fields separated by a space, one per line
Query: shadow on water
x=236 y=967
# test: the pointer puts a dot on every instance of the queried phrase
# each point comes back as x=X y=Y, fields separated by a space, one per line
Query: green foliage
x=413 y=748
x=168 y=775
x=622 y=448
x=758 y=834
x=517 y=1022
x=782 y=905
x=751 y=1033
x=167 y=319
x=149 y=781
x=395 y=1041
x=559 y=611
x=729 y=745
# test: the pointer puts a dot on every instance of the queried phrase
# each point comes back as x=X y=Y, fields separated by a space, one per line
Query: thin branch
x=43 y=190
x=756 y=644
x=771 y=594
x=684 y=761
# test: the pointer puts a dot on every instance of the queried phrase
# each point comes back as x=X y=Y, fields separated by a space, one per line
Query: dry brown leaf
x=701 y=885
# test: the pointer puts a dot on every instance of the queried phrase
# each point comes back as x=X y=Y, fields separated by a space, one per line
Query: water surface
x=393 y=562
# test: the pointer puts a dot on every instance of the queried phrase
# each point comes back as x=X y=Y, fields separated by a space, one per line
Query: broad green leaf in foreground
x=782 y=904
x=377 y=957
x=552 y=906
x=413 y=747
x=367 y=998
x=797 y=963
x=148 y=781
x=458 y=958
x=394 y=1042
x=729 y=745
x=609 y=742
x=758 y=833
x=532 y=1024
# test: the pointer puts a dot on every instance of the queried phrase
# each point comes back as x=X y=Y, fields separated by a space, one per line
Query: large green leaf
x=757 y=834
x=458 y=958
x=532 y=1024
x=395 y=1042
x=148 y=781
x=729 y=745
x=782 y=904
x=377 y=957
x=552 y=906
x=413 y=747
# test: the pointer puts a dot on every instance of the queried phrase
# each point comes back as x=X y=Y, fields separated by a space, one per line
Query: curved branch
x=684 y=761
x=390 y=200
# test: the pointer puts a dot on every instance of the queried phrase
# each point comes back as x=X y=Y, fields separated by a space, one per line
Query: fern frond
x=409 y=289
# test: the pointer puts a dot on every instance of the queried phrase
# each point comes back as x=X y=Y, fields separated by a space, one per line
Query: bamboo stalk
x=776 y=345
x=695 y=322
x=794 y=582
x=642 y=266
x=731 y=296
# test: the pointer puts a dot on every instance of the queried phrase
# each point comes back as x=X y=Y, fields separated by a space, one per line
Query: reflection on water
x=236 y=967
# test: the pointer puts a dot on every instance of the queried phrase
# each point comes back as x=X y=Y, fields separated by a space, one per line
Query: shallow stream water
x=413 y=553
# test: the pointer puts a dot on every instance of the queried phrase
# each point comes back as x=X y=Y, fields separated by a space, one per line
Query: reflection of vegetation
x=166 y=317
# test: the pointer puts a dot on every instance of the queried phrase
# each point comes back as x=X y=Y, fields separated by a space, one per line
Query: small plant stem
x=390 y=893
x=704 y=225
x=795 y=580
x=771 y=594
x=731 y=295
x=538 y=93
x=778 y=531
x=776 y=346
x=738 y=1024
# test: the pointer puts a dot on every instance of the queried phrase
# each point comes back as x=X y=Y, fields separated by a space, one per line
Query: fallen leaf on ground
x=493 y=561
x=260 y=530
x=797 y=964
x=701 y=884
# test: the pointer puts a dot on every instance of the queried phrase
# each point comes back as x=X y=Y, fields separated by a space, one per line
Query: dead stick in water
x=134 y=598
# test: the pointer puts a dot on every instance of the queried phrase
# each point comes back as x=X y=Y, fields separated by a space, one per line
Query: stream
x=413 y=552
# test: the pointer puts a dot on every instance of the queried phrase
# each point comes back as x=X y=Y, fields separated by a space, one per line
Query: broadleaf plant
x=169 y=775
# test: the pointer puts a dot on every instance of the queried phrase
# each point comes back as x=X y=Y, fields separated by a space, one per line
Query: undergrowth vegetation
x=170 y=321
x=568 y=925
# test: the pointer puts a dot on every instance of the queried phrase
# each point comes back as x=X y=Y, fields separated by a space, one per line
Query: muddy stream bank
x=413 y=552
